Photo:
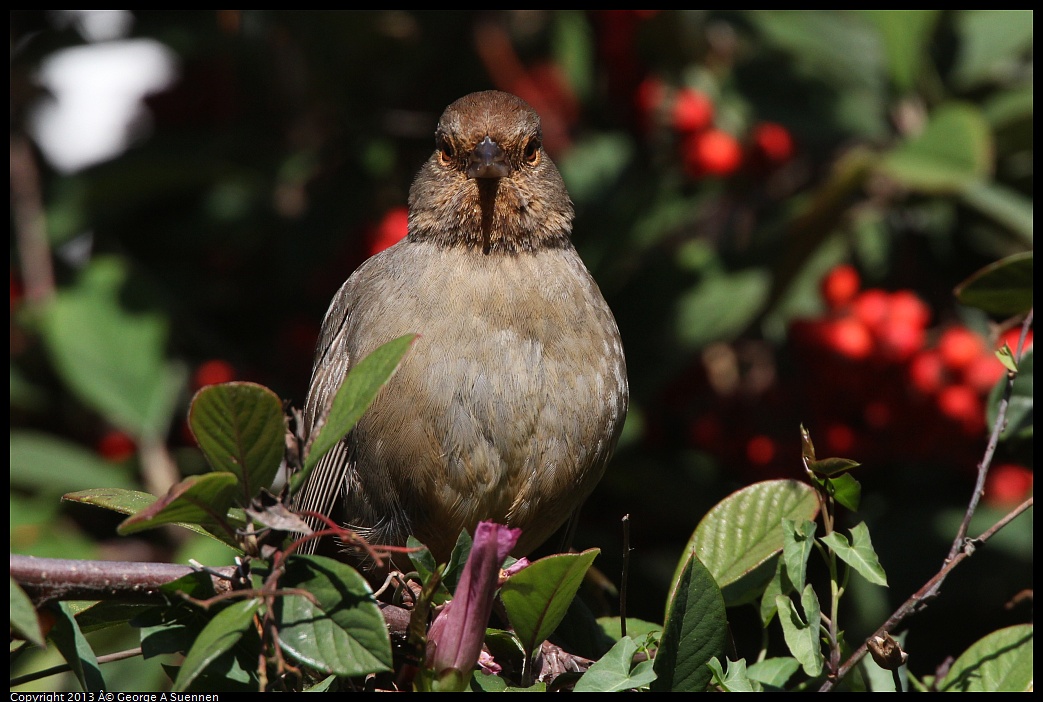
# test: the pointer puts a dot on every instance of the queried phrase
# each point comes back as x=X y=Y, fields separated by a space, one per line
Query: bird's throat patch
x=487 y=189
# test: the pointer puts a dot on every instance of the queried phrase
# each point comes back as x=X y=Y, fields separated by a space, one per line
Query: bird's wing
x=326 y=484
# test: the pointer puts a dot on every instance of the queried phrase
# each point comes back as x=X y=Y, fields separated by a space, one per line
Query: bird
x=510 y=402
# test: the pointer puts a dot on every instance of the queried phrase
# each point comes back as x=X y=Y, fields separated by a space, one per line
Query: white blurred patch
x=94 y=111
x=96 y=25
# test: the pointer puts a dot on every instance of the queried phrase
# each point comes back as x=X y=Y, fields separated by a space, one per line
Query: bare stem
x=623 y=579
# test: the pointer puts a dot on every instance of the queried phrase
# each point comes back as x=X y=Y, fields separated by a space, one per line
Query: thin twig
x=916 y=602
x=962 y=548
x=623 y=578
x=66 y=668
x=997 y=428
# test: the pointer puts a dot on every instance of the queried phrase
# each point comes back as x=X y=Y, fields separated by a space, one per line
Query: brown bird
x=509 y=404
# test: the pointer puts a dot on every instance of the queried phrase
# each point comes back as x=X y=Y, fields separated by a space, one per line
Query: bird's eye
x=532 y=151
x=445 y=150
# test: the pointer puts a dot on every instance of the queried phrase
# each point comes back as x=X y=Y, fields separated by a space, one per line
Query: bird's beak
x=488 y=160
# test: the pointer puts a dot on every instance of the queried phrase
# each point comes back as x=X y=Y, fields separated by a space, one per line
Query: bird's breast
x=510 y=402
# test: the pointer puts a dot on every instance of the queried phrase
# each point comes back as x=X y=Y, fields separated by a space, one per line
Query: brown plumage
x=508 y=406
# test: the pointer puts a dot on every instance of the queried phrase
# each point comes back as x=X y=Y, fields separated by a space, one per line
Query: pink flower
x=455 y=639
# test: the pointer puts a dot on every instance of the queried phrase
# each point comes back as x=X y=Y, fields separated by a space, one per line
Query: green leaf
x=616 y=671
x=343 y=633
x=239 y=427
x=198 y=499
x=990 y=42
x=779 y=584
x=830 y=467
x=458 y=559
x=906 y=34
x=846 y=490
x=74 y=648
x=107 y=614
x=593 y=163
x=953 y=151
x=134 y=501
x=1003 y=288
x=1019 y=408
x=480 y=682
x=858 y=554
x=43 y=462
x=573 y=45
x=694 y=631
x=1004 y=205
x=323 y=685
x=637 y=629
x=802 y=634
x=838 y=48
x=1000 y=662
x=735 y=679
x=744 y=530
x=798 y=543
x=23 y=616
x=174 y=628
x=701 y=318
x=537 y=597
x=773 y=673
x=110 y=349
x=1006 y=356
x=219 y=636
x=353 y=397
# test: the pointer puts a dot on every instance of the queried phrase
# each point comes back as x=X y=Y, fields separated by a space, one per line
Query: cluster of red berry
x=885 y=387
x=706 y=150
x=871 y=379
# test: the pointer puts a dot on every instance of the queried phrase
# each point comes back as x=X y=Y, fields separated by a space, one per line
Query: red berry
x=772 y=142
x=871 y=307
x=647 y=98
x=899 y=339
x=213 y=372
x=959 y=346
x=840 y=439
x=962 y=405
x=848 y=337
x=1007 y=484
x=760 y=450
x=983 y=373
x=712 y=153
x=926 y=372
x=116 y=446
x=692 y=112
x=905 y=306
x=840 y=286
x=392 y=228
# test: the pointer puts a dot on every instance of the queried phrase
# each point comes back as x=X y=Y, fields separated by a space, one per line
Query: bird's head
x=489 y=185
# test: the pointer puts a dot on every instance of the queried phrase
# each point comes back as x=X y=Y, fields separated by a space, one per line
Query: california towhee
x=509 y=404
